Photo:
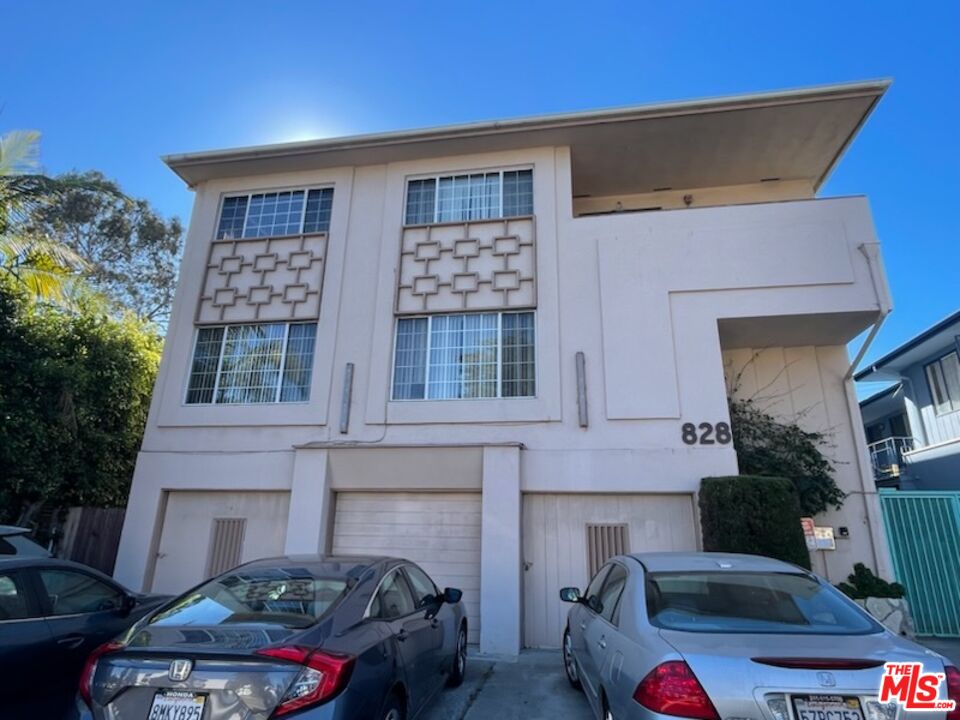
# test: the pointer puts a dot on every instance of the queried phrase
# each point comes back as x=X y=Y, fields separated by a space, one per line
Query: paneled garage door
x=438 y=531
x=557 y=552
x=205 y=533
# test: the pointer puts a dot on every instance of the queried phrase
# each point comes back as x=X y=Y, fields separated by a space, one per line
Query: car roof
x=8 y=562
x=13 y=530
x=682 y=561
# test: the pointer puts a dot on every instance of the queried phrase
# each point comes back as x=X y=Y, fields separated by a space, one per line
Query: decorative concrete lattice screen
x=475 y=265
x=267 y=279
x=605 y=542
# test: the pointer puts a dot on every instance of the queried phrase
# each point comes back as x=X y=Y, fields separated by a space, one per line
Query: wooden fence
x=91 y=536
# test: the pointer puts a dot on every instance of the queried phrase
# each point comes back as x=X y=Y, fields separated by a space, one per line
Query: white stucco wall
x=639 y=294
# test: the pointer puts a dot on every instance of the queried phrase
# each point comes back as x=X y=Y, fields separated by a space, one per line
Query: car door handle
x=602 y=643
x=402 y=635
x=583 y=626
x=71 y=641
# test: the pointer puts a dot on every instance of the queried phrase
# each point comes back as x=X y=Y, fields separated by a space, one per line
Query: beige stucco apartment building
x=503 y=349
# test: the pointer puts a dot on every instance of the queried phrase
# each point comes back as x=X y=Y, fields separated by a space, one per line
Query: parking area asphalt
x=532 y=688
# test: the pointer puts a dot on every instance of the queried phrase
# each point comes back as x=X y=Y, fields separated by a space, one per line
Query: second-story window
x=255 y=363
x=473 y=196
x=943 y=376
x=273 y=214
x=465 y=356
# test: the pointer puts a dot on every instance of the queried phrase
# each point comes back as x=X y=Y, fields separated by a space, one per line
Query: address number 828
x=706 y=433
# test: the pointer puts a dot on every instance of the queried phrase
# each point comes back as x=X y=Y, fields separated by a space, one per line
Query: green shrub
x=773 y=448
x=753 y=515
x=863 y=584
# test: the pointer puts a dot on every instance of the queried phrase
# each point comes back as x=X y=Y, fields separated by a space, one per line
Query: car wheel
x=459 y=660
x=393 y=709
x=569 y=664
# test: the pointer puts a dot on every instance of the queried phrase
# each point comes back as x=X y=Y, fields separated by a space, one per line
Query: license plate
x=177 y=705
x=826 y=707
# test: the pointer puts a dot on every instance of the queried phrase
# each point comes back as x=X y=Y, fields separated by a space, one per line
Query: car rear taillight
x=671 y=688
x=90 y=669
x=953 y=691
x=812 y=663
x=323 y=676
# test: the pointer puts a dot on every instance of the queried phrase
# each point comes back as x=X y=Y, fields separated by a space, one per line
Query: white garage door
x=556 y=552
x=438 y=531
x=205 y=533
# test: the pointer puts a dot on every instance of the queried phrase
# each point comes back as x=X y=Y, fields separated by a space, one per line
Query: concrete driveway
x=533 y=688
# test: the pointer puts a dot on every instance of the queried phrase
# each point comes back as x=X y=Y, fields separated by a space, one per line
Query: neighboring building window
x=475 y=196
x=290 y=212
x=477 y=355
x=241 y=364
x=943 y=376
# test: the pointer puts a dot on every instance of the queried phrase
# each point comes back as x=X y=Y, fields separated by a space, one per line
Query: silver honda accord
x=710 y=636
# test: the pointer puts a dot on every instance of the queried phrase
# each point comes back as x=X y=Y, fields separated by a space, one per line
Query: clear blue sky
x=113 y=86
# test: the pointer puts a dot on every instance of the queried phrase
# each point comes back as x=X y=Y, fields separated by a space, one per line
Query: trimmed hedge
x=753 y=515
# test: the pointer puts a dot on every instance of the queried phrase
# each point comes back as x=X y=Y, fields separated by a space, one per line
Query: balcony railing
x=886 y=456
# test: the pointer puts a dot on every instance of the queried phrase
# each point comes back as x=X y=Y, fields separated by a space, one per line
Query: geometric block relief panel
x=470 y=265
x=265 y=279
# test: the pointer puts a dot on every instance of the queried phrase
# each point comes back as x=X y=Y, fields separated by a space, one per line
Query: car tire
x=392 y=708
x=569 y=664
x=459 y=669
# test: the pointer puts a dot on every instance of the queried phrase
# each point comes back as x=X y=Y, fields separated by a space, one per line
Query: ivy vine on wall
x=770 y=447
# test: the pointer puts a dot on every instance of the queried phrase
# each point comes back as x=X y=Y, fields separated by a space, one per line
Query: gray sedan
x=325 y=638
x=710 y=636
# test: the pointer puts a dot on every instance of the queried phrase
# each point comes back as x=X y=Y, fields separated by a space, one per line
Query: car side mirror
x=452 y=596
x=570 y=595
x=127 y=604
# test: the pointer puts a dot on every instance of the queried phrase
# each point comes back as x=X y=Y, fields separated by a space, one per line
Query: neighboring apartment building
x=502 y=349
x=913 y=426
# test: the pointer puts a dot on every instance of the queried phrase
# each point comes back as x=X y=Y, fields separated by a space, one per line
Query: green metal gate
x=923 y=531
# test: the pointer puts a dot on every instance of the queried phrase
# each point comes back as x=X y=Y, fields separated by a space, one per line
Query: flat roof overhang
x=784 y=135
x=837 y=328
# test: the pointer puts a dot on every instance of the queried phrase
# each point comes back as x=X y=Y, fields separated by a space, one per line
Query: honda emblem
x=180 y=670
x=826 y=679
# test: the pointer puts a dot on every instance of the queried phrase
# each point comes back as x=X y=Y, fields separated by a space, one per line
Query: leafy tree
x=45 y=267
x=770 y=448
x=74 y=394
x=131 y=252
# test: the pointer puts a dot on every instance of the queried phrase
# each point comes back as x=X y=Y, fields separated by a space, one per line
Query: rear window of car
x=739 y=602
x=291 y=597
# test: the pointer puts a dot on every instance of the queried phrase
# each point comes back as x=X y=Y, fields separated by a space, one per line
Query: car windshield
x=292 y=597
x=741 y=602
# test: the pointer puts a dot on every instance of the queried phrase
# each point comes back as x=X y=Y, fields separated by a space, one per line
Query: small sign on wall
x=809 y=534
x=817 y=537
x=824 y=538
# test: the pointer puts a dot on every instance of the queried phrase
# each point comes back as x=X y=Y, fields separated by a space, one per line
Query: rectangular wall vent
x=604 y=542
x=226 y=544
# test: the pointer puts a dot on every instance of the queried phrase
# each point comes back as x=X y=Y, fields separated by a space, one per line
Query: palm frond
x=22 y=249
x=47 y=285
x=19 y=152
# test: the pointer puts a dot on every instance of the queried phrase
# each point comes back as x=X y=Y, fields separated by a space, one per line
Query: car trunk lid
x=741 y=671
x=219 y=664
